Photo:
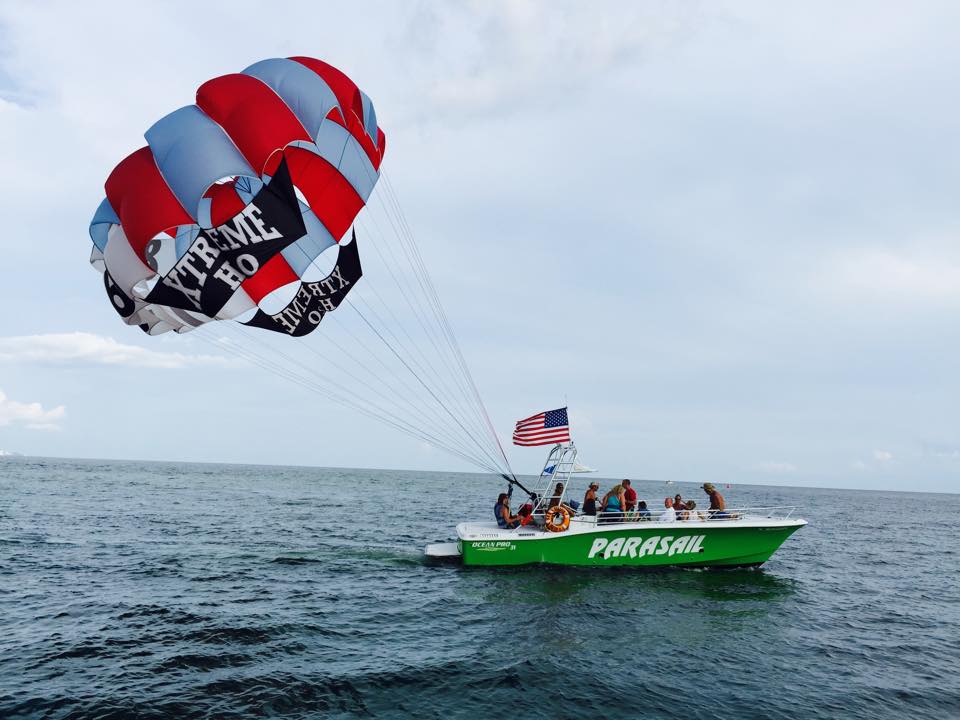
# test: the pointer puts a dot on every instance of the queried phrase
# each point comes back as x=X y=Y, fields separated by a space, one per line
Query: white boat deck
x=744 y=518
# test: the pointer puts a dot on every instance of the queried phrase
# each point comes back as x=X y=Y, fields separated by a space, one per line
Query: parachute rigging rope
x=416 y=264
x=463 y=406
x=446 y=322
x=425 y=386
x=373 y=411
x=409 y=362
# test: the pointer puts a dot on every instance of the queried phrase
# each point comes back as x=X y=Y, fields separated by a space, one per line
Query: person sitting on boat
x=718 y=506
x=555 y=500
x=557 y=494
x=669 y=514
x=629 y=497
x=691 y=514
x=613 y=504
x=678 y=504
x=643 y=514
x=590 y=500
x=502 y=512
x=525 y=513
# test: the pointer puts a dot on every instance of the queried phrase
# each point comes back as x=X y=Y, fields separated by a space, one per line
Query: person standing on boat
x=590 y=500
x=502 y=512
x=669 y=514
x=718 y=506
x=629 y=497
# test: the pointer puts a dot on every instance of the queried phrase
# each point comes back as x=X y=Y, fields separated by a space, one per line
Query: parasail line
x=418 y=309
x=416 y=261
x=421 y=313
x=426 y=387
x=391 y=193
x=426 y=426
x=427 y=418
x=335 y=319
x=387 y=418
x=427 y=367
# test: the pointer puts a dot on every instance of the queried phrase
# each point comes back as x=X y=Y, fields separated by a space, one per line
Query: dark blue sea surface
x=131 y=589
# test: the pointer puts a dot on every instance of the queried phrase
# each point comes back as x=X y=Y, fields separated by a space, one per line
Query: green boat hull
x=707 y=544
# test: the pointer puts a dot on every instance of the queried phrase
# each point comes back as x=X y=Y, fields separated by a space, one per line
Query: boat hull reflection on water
x=745 y=540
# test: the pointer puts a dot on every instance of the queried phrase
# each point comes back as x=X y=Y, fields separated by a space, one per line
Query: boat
x=739 y=537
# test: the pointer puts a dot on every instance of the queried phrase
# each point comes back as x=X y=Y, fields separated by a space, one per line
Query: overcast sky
x=727 y=234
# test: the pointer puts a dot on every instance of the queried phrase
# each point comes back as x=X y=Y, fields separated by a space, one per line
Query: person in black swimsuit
x=590 y=499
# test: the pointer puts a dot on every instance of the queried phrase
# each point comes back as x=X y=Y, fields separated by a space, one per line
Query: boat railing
x=777 y=512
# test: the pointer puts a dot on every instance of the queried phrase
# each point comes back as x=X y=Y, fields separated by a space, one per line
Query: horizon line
x=16 y=456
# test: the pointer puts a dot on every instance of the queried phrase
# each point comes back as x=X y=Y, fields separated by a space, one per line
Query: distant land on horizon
x=8 y=454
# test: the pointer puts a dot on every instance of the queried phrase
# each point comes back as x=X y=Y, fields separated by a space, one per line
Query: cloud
x=11 y=90
x=87 y=348
x=880 y=457
x=31 y=415
x=924 y=276
x=502 y=58
x=941 y=450
x=777 y=468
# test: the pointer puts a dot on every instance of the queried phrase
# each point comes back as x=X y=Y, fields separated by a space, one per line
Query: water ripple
x=154 y=590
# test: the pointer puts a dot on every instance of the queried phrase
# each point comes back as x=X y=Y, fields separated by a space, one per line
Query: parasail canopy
x=233 y=199
x=240 y=207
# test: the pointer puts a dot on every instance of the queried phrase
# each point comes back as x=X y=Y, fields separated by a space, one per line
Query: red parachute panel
x=142 y=200
x=224 y=202
x=329 y=194
x=276 y=272
x=255 y=118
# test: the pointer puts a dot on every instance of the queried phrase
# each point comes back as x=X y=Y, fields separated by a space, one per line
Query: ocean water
x=155 y=590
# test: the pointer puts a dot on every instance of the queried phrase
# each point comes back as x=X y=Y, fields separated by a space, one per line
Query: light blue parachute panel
x=338 y=147
x=247 y=187
x=204 y=212
x=186 y=234
x=103 y=218
x=369 y=117
x=305 y=250
x=193 y=152
x=303 y=91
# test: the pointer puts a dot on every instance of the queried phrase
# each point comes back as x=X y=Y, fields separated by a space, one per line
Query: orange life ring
x=551 y=520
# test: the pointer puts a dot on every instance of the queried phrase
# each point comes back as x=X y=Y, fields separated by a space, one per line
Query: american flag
x=546 y=428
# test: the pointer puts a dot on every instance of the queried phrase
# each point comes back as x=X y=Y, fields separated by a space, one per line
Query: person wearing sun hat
x=718 y=505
